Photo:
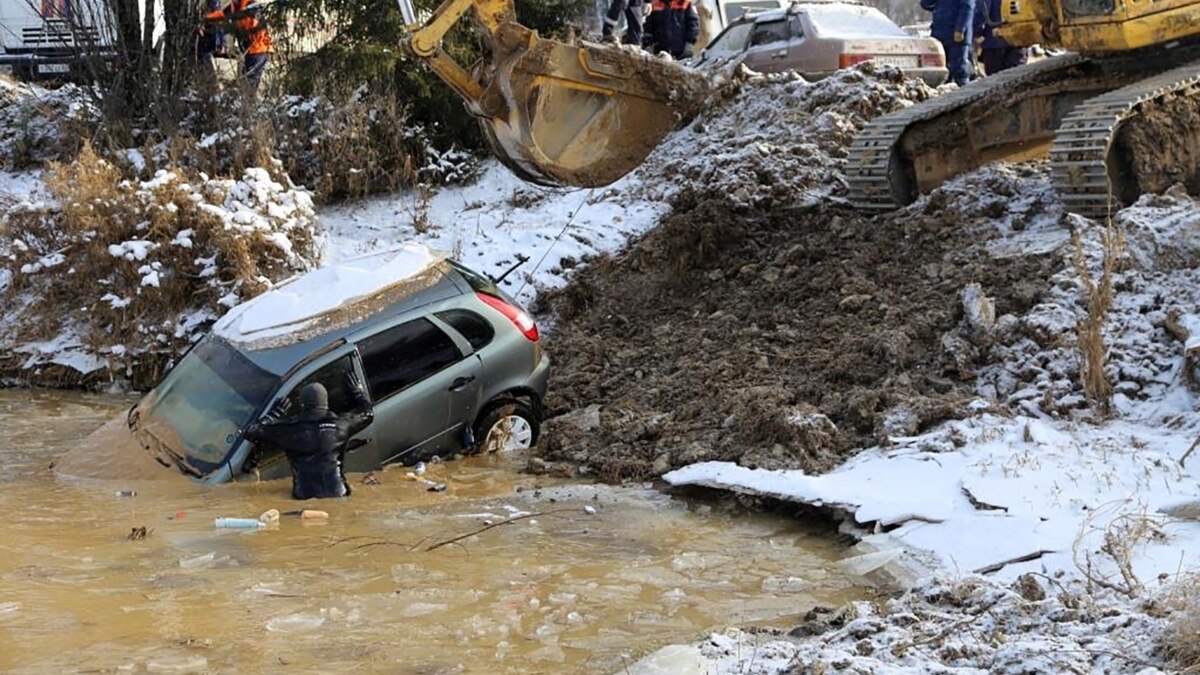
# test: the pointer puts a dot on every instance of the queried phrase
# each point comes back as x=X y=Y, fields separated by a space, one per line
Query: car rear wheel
x=508 y=427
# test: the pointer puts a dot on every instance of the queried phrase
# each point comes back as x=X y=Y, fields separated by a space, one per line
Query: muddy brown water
x=560 y=593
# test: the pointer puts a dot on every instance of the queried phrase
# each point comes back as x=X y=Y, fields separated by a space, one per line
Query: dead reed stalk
x=1098 y=296
x=1177 y=642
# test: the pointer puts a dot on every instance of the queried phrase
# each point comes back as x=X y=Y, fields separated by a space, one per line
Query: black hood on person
x=314 y=402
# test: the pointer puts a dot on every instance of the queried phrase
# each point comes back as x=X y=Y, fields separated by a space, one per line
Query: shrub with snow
x=127 y=273
x=38 y=125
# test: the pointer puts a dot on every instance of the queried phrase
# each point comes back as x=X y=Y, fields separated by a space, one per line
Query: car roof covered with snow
x=795 y=7
x=307 y=313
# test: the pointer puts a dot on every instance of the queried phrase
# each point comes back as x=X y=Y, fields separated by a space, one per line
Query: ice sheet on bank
x=1016 y=488
x=294 y=304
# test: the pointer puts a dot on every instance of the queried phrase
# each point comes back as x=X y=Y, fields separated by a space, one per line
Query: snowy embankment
x=493 y=222
x=1033 y=489
x=1033 y=481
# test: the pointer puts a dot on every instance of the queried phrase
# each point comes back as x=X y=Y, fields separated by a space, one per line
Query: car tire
x=506 y=427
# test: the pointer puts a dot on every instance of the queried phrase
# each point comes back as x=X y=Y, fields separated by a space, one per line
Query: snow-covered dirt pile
x=967 y=626
x=1153 y=323
x=1029 y=481
x=112 y=278
x=781 y=339
x=39 y=124
x=778 y=140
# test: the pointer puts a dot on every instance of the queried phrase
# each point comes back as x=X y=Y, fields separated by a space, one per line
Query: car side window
x=476 y=329
x=797 y=26
x=333 y=376
x=403 y=355
x=729 y=43
x=769 y=32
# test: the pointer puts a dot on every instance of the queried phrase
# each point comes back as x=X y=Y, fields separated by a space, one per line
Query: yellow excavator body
x=1118 y=115
x=557 y=114
x=1098 y=26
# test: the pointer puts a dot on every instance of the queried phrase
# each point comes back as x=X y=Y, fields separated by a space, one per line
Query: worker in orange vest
x=252 y=34
x=673 y=27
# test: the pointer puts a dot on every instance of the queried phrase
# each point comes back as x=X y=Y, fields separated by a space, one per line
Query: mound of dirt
x=787 y=338
x=778 y=140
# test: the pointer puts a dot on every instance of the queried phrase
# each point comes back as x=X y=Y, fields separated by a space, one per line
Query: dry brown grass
x=1179 y=641
x=1098 y=294
x=351 y=143
x=1120 y=541
x=99 y=208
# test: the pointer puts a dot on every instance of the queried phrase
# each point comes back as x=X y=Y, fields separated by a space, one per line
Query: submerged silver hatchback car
x=450 y=363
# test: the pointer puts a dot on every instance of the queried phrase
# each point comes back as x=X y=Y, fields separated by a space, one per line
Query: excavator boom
x=558 y=114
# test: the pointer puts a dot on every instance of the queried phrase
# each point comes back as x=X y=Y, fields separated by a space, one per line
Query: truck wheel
x=507 y=427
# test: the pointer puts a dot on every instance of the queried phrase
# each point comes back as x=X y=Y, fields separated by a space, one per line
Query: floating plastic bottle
x=313 y=514
x=238 y=523
x=269 y=516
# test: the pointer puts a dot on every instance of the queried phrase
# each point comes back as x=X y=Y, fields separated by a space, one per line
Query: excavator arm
x=558 y=114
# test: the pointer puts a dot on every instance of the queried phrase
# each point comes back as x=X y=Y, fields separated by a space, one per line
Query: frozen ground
x=1032 y=484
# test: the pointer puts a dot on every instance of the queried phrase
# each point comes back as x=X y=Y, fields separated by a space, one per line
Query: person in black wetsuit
x=315 y=439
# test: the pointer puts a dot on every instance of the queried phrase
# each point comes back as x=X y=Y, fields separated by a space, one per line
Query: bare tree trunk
x=130 y=93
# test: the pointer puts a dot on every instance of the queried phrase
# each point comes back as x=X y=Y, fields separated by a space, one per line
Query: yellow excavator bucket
x=555 y=113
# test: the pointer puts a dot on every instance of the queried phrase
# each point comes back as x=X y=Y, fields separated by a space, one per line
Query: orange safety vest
x=248 y=26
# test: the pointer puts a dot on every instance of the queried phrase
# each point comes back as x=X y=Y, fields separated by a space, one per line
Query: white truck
x=52 y=39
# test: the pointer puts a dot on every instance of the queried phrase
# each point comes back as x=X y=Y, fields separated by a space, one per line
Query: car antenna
x=521 y=260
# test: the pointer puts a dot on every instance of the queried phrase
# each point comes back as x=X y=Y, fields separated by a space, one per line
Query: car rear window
x=850 y=21
x=477 y=281
x=476 y=329
x=403 y=355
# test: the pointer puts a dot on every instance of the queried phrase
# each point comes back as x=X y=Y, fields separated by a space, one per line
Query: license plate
x=898 y=61
x=54 y=68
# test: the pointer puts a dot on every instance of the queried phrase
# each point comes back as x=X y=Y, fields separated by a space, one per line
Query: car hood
x=112 y=452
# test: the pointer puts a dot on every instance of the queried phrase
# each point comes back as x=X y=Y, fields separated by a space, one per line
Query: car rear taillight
x=847 y=60
x=933 y=60
x=520 y=319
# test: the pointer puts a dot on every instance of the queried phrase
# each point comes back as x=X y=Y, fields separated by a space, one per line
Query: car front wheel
x=508 y=427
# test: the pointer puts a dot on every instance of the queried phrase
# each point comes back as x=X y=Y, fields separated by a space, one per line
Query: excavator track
x=1083 y=167
x=872 y=164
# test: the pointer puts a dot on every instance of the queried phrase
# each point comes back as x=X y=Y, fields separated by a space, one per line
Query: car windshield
x=730 y=43
x=198 y=408
x=851 y=21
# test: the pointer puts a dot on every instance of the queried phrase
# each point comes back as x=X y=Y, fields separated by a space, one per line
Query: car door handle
x=779 y=55
x=460 y=382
